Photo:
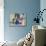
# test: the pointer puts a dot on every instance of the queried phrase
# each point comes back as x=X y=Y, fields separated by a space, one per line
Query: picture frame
x=17 y=20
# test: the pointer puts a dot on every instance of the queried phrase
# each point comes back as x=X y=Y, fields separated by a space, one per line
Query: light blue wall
x=29 y=7
x=43 y=6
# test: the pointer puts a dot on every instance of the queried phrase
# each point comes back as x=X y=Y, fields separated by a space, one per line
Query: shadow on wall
x=25 y=6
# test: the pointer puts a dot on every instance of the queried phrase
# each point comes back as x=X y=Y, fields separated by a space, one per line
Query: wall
x=29 y=7
x=43 y=6
x=1 y=21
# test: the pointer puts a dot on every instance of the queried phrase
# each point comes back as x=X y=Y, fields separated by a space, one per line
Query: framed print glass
x=17 y=19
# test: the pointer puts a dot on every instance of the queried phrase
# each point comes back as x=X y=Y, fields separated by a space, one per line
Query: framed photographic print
x=17 y=19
